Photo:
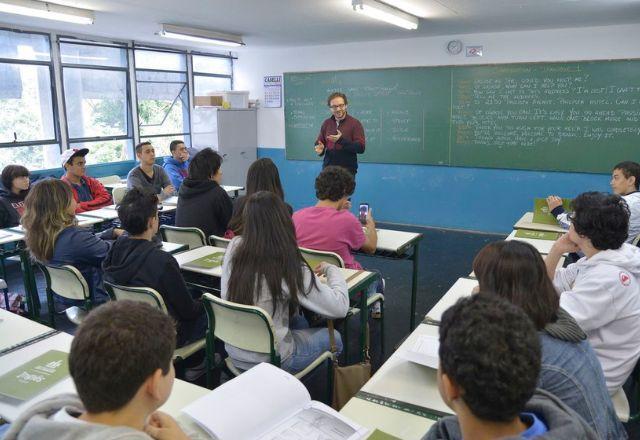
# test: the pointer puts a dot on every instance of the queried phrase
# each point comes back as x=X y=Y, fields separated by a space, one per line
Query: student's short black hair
x=204 y=164
x=135 y=210
x=115 y=350
x=629 y=169
x=601 y=217
x=174 y=144
x=490 y=349
x=11 y=172
x=333 y=183
x=141 y=145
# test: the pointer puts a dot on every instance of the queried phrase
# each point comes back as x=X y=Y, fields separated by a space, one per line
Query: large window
x=95 y=83
x=211 y=74
x=163 y=98
x=28 y=132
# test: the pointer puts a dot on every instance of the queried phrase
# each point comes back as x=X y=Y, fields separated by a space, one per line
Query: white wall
x=594 y=43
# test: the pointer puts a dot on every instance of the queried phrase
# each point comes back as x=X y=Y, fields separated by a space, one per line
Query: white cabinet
x=233 y=133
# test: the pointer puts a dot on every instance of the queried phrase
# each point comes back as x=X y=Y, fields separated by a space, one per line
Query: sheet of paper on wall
x=424 y=351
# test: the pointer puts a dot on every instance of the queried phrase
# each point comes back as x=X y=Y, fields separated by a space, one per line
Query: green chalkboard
x=582 y=116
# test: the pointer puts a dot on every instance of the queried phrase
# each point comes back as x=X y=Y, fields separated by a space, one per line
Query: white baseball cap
x=67 y=155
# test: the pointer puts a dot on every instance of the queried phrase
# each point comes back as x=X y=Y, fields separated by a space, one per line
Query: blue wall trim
x=478 y=199
x=97 y=170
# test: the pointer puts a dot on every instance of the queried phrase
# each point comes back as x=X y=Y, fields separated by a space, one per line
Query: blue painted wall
x=99 y=170
x=478 y=199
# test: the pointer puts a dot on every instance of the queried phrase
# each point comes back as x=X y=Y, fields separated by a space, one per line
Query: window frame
x=61 y=39
x=186 y=84
x=194 y=74
x=52 y=84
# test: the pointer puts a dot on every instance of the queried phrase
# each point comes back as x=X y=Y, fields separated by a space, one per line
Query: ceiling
x=282 y=23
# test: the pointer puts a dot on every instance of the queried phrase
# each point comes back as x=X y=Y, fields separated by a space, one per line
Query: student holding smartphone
x=341 y=136
x=330 y=226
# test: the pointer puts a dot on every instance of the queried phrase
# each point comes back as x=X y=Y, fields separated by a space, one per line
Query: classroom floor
x=445 y=255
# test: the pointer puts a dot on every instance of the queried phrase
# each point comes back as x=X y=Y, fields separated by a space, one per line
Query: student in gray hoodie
x=120 y=362
x=489 y=365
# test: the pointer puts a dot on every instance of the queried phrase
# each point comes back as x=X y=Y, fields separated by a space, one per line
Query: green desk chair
x=192 y=237
x=249 y=328
x=153 y=298
x=314 y=258
x=220 y=242
x=67 y=281
x=118 y=194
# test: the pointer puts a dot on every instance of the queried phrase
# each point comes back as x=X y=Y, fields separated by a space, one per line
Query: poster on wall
x=273 y=91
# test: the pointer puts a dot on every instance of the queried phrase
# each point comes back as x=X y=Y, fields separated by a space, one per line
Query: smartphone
x=363 y=211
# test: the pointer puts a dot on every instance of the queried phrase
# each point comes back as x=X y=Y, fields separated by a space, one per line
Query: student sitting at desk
x=489 y=365
x=330 y=226
x=15 y=180
x=150 y=176
x=263 y=267
x=53 y=237
x=136 y=261
x=515 y=271
x=87 y=191
x=625 y=180
x=121 y=365
x=262 y=176
x=202 y=202
x=177 y=165
x=602 y=290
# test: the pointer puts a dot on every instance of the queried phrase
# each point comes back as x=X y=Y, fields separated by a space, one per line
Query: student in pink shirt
x=330 y=226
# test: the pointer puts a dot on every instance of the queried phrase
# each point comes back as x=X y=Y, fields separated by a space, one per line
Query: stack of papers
x=424 y=351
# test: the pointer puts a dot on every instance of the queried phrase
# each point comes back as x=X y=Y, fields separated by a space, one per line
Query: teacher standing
x=341 y=136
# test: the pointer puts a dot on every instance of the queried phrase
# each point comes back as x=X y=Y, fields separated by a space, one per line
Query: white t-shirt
x=633 y=202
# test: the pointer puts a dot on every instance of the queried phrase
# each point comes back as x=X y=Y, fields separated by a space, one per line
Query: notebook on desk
x=538 y=235
x=36 y=376
x=207 y=262
x=542 y=214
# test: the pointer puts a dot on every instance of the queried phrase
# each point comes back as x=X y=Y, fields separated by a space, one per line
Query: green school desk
x=402 y=397
x=401 y=245
x=526 y=222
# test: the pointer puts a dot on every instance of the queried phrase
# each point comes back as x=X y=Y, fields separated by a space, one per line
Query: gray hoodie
x=563 y=423
x=38 y=422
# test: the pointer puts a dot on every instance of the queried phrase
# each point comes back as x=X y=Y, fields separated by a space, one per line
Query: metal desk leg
x=414 y=285
x=364 y=323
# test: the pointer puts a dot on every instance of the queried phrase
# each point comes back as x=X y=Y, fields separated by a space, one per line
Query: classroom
x=169 y=170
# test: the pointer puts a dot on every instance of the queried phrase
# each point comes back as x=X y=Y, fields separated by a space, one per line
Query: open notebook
x=267 y=403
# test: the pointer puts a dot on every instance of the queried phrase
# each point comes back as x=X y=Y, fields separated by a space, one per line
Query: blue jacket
x=82 y=249
x=176 y=170
x=571 y=371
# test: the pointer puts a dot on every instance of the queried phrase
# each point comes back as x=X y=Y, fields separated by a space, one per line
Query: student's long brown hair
x=45 y=215
x=268 y=253
x=262 y=175
x=515 y=271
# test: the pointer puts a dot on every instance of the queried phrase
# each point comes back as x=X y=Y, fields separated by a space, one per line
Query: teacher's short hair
x=337 y=95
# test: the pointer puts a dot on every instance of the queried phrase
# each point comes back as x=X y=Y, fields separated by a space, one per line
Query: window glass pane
x=163 y=103
x=107 y=151
x=96 y=102
x=203 y=64
x=37 y=157
x=26 y=104
x=93 y=55
x=148 y=59
x=161 y=143
x=204 y=85
x=24 y=46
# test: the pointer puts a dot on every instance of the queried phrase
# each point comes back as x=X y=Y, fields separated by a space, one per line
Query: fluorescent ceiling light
x=384 y=12
x=200 y=35
x=51 y=11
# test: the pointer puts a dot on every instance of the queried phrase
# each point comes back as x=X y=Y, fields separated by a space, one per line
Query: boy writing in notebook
x=625 y=180
x=121 y=364
x=489 y=365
